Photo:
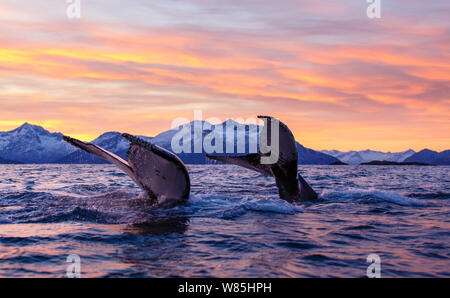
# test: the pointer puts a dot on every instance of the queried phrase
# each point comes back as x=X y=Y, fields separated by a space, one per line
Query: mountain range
x=33 y=144
x=359 y=157
x=425 y=156
x=431 y=157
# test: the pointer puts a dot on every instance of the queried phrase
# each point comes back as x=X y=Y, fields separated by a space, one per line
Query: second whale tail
x=291 y=186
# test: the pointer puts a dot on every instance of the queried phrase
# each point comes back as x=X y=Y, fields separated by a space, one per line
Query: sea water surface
x=234 y=224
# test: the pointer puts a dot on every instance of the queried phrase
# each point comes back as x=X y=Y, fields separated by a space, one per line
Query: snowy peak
x=32 y=144
x=358 y=157
x=27 y=129
x=164 y=139
x=112 y=141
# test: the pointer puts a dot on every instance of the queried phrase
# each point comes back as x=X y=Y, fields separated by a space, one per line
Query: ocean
x=234 y=224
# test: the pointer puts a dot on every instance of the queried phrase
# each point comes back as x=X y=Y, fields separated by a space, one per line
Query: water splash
x=370 y=196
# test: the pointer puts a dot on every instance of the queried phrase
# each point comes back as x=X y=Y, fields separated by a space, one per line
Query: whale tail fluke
x=160 y=173
x=306 y=191
x=291 y=186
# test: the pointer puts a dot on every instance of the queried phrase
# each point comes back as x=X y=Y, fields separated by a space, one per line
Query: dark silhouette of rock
x=393 y=163
x=5 y=161
x=308 y=156
x=338 y=163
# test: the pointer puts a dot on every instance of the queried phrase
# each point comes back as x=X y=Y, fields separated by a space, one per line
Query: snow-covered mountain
x=111 y=141
x=33 y=144
x=358 y=157
x=251 y=133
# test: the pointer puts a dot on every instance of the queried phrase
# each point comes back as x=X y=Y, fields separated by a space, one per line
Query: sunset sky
x=338 y=79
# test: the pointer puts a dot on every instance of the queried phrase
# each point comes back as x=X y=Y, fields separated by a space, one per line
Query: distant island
x=393 y=163
x=338 y=163
x=5 y=161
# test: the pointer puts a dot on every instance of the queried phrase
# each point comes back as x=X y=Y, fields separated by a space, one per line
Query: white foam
x=370 y=195
x=271 y=205
x=233 y=207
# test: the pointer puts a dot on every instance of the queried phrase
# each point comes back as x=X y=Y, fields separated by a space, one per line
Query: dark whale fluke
x=291 y=187
x=159 y=173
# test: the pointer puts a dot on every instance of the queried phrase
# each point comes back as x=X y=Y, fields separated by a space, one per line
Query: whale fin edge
x=104 y=154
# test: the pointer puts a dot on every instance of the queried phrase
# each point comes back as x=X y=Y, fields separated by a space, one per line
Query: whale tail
x=306 y=191
x=158 y=172
x=291 y=187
